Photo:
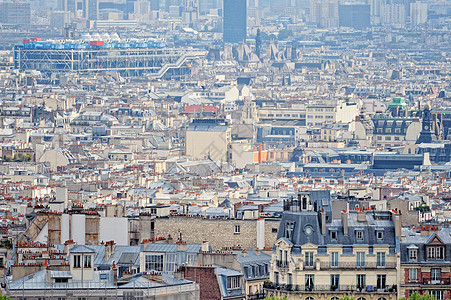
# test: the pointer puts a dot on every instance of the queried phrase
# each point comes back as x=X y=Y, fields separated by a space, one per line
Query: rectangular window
x=413 y=274
x=413 y=255
x=170 y=262
x=381 y=259
x=437 y=294
x=289 y=229
x=276 y=278
x=154 y=262
x=360 y=259
x=359 y=235
x=335 y=281
x=309 y=259
x=191 y=258
x=233 y=282
x=333 y=235
x=237 y=229
x=436 y=253
x=309 y=282
x=361 y=281
x=334 y=259
x=87 y=263
x=435 y=275
x=381 y=282
x=290 y=279
x=380 y=235
x=77 y=261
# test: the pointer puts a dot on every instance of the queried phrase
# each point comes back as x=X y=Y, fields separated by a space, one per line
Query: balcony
x=256 y=296
x=330 y=288
x=282 y=264
x=354 y=266
x=442 y=281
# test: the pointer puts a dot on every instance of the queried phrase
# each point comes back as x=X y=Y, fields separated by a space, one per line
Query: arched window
x=381 y=298
x=334 y=298
x=309 y=298
x=361 y=298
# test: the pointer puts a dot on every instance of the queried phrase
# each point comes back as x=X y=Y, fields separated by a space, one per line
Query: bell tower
x=426 y=134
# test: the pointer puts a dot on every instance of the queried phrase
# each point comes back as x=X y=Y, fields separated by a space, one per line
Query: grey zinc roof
x=253 y=257
x=369 y=228
x=60 y=274
x=171 y=248
x=82 y=249
x=127 y=257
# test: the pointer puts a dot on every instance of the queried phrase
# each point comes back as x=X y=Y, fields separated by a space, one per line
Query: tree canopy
x=417 y=296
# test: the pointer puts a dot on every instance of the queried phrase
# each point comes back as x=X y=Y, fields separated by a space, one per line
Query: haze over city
x=225 y=149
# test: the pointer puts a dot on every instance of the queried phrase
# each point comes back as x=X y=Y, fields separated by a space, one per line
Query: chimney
x=205 y=246
x=397 y=223
x=244 y=252
x=109 y=249
x=114 y=269
x=361 y=215
x=181 y=246
x=323 y=222
x=257 y=251
x=69 y=244
x=344 y=220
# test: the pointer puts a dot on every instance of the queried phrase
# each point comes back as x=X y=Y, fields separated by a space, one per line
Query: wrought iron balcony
x=331 y=288
x=354 y=265
x=282 y=264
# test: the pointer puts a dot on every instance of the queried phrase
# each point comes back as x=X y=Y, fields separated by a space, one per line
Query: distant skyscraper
x=418 y=13
x=354 y=15
x=324 y=13
x=393 y=15
x=15 y=13
x=93 y=9
x=235 y=21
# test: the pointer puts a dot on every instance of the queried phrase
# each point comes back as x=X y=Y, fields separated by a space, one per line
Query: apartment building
x=317 y=257
x=426 y=261
x=208 y=138
x=336 y=111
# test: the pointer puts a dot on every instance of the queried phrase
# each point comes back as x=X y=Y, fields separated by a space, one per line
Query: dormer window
x=77 y=261
x=87 y=260
x=380 y=235
x=436 y=252
x=333 y=235
x=359 y=235
x=289 y=229
x=233 y=282
x=304 y=203
x=413 y=255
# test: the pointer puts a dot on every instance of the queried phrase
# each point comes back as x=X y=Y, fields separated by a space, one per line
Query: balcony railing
x=282 y=264
x=331 y=288
x=354 y=265
x=256 y=296
x=436 y=281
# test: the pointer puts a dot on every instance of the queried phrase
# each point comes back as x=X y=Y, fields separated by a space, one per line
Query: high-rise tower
x=235 y=21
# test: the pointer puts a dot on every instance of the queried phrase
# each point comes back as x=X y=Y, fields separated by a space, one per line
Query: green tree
x=347 y=298
x=284 y=34
x=417 y=296
x=275 y=298
x=3 y=297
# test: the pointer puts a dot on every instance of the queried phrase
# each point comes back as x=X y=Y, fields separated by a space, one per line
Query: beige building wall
x=218 y=232
x=204 y=144
x=322 y=270
x=331 y=111
x=55 y=158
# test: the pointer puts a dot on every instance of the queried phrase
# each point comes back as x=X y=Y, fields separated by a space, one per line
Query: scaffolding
x=129 y=62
